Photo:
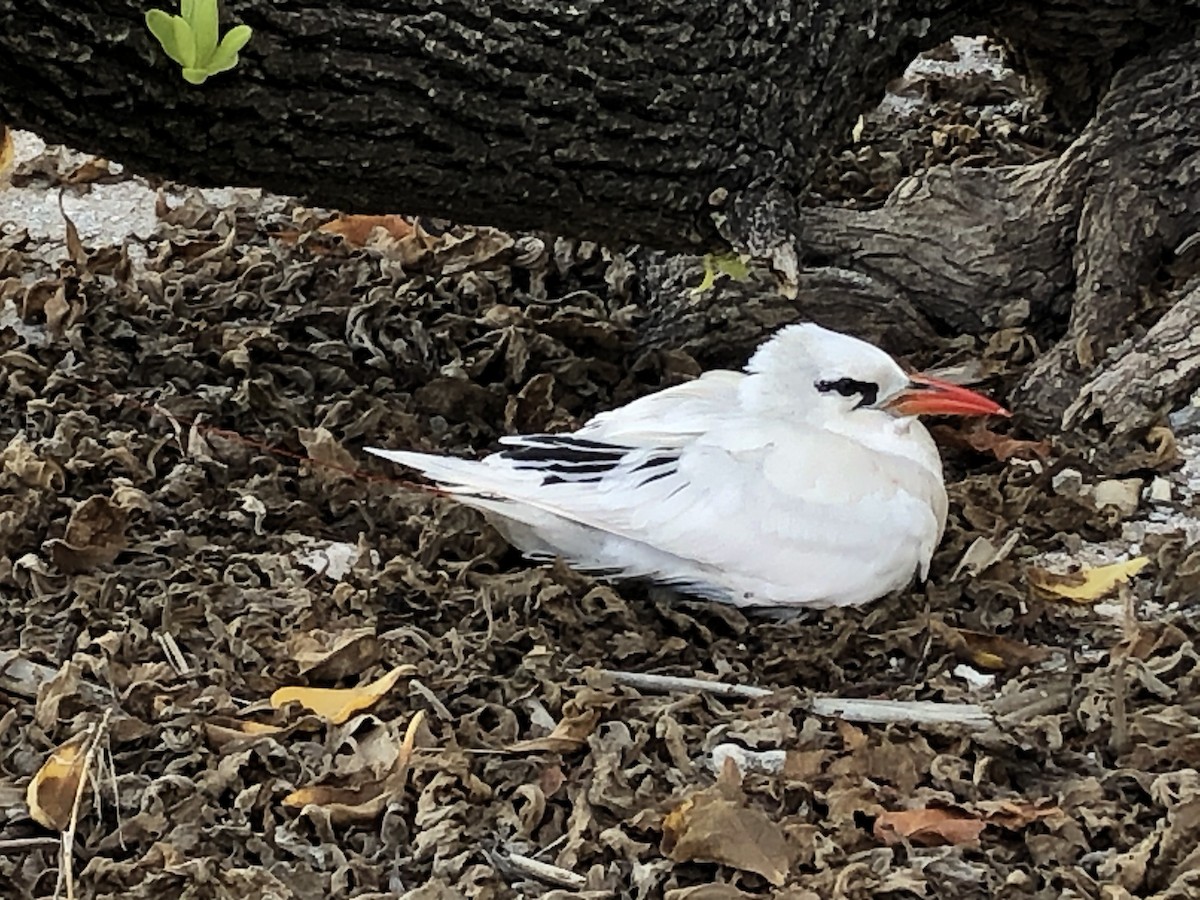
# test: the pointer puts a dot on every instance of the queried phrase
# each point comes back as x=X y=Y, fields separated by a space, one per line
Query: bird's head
x=832 y=374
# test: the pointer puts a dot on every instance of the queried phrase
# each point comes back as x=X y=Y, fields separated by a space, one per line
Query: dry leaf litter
x=294 y=679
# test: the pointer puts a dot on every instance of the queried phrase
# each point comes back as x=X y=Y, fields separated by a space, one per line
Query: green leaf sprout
x=715 y=264
x=190 y=39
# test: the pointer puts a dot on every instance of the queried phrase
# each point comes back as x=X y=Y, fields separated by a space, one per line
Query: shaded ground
x=184 y=574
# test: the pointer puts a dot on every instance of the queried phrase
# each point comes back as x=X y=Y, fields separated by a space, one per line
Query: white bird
x=804 y=481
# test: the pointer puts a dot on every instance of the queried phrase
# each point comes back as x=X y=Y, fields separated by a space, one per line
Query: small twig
x=879 y=712
x=561 y=839
x=543 y=871
x=67 y=870
x=911 y=712
x=660 y=684
x=171 y=650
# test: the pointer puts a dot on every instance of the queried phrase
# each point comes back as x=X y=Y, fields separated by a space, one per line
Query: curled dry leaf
x=95 y=169
x=1086 y=585
x=570 y=734
x=1016 y=814
x=363 y=801
x=935 y=825
x=359 y=230
x=983 y=554
x=95 y=535
x=20 y=459
x=715 y=825
x=8 y=154
x=990 y=652
x=51 y=792
x=336 y=705
x=334 y=655
x=714 y=891
x=932 y=826
x=333 y=460
x=223 y=730
x=978 y=436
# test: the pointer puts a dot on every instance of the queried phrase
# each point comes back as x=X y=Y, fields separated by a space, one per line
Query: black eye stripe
x=850 y=387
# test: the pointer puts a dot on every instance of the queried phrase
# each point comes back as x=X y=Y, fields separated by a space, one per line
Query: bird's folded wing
x=670 y=417
x=786 y=486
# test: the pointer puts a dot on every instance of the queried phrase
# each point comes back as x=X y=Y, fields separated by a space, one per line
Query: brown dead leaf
x=570 y=734
x=715 y=891
x=977 y=436
x=364 y=801
x=20 y=459
x=7 y=154
x=95 y=169
x=932 y=826
x=1163 y=448
x=332 y=656
x=989 y=652
x=336 y=705
x=1086 y=585
x=1016 y=814
x=223 y=730
x=715 y=825
x=334 y=461
x=74 y=246
x=359 y=230
x=51 y=793
x=95 y=535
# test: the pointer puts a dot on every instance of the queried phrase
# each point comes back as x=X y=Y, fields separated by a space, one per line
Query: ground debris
x=189 y=525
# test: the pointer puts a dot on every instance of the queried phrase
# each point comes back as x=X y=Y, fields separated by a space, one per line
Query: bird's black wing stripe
x=561 y=448
x=657 y=475
x=558 y=479
x=565 y=459
x=563 y=454
x=656 y=461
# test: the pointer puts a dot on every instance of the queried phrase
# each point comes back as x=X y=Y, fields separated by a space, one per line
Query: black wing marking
x=566 y=459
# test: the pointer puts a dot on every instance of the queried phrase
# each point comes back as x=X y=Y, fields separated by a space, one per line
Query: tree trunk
x=615 y=121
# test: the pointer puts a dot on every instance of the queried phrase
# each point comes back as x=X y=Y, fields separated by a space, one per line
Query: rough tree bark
x=680 y=124
x=614 y=121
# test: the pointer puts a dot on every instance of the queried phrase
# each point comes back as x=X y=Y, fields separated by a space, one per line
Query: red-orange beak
x=934 y=397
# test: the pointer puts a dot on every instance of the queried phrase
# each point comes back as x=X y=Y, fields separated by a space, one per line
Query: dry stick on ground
x=67 y=869
x=544 y=872
x=879 y=712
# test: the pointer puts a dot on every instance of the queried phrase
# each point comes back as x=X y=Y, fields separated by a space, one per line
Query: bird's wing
x=670 y=417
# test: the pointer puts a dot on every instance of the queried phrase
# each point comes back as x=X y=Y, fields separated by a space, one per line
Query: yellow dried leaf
x=1086 y=585
x=51 y=793
x=336 y=705
x=7 y=153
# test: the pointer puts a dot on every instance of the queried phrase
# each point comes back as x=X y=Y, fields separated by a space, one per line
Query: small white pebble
x=1160 y=490
x=1123 y=494
x=1068 y=483
x=973 y=676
